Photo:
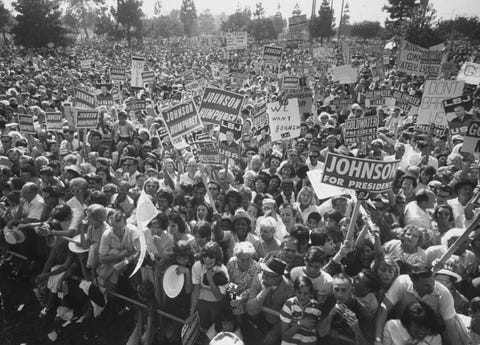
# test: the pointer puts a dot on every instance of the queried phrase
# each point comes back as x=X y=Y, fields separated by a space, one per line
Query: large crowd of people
x=262 y=257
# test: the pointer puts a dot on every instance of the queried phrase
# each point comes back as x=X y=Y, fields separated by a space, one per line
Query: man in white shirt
x=399 y=155
x=31 y=205
x=416 y=211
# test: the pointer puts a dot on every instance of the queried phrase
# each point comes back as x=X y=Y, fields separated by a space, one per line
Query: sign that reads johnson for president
x=54 y=121
x=218 y=105
x=360 y=130
x=272 y=55
x=84 y=99
x=182 y=119
x=359 y=174
x=87 y=119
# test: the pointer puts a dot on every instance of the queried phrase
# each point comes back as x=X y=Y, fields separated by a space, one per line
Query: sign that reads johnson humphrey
x=87 y=119
x=218 y=105
x=182 y=119
x=359 y=174
x=360 y=130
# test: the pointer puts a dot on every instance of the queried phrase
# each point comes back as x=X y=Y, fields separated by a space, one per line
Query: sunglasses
x=313 y=156
x=444 y=213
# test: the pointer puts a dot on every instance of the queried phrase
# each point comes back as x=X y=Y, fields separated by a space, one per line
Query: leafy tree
x=38 y=23
x=366 y=29
x=296 y=10
x=6 y=20
x=82 y=12
x=239 y=21
x=323 y=25
x=466 y=27
x=105 y=25
x=188 y=16
x=206 y=22
x=278 y=22
x=259 y=11
x=263 y=29
x=129 y=14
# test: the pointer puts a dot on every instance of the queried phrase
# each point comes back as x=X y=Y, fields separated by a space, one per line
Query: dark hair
x=162 y=219
x=62 y=212
x=437 y=209
x=420 y=272
x=202 y=229
x=183 y=249
x=301 y=233
x=212 y=249
x=315 y=254
x=334 y=215
x=106 y=171
x=209 y=211
x=320 y=238
x=422 y=314
x=475 y=304
x=98 y=197
x=315 y=216
x=409 y=177
x=302 y=281
x=421 y=195
x=178 y=219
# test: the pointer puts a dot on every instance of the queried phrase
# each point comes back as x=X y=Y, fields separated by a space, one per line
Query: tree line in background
x=37 y=23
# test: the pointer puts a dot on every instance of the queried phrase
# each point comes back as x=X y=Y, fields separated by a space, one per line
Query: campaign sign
x=434 y=92
x=138 y=65
x=341 y=103
x=345 y=74
x=305 y=99
x=360 y=130
x=106 y=100
x=272 y=55
x=290 y=83
x=86 y=63
x=25 y=123
x=136 y=105
x=470 y=73
x=230 y=134
x=148 y=76
x=406 y=102
x=413 y=59
x=284 y=119
x=182 y=119
x=376 y=98
x=54 y=121
x=84 y=99
x=260 y=120
x=208 y=153
x=471 y=141
x=358 y=173
x=458 y=124
x=86 y=119
x=118 y=74
x=218 y=105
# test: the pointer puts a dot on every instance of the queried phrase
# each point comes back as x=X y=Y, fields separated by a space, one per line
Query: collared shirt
x=401 y=293
x=34 y=208
x=132 y=179
x=293 y=311
x=198 y=272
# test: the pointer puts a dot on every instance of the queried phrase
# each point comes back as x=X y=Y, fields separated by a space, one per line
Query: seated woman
x=418 y=325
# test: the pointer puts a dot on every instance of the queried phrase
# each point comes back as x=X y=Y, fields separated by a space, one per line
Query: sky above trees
x=359 y=9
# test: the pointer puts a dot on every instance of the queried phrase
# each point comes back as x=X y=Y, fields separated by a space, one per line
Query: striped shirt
x=293 y=311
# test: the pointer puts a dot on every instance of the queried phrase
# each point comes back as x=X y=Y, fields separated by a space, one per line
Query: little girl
x=300 y=314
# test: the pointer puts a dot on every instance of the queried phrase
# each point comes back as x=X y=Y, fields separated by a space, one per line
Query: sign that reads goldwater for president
x=358 y=173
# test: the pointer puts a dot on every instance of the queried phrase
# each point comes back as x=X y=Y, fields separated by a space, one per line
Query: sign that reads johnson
x=359 y=174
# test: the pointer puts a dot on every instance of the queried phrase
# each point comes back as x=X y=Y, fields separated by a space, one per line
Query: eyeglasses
x=208 y=255
x=213 y=188
x=313 y=156
x=444 y=213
